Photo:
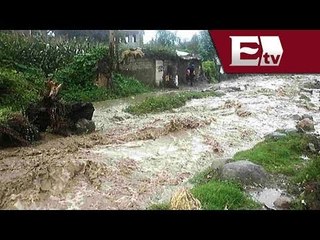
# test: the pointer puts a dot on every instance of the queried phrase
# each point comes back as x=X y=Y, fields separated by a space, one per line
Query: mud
x=132 y=162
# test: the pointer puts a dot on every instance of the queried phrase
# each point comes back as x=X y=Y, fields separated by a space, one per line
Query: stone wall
x=142 y=69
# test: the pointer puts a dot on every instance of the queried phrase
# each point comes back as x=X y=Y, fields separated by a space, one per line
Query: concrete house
x=161 y=71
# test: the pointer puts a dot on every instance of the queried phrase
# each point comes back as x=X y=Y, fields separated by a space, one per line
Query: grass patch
x=165 y=102
x=278 y=156
x=311 y=173
x=283 y=156
x=160 y=206
x=203 y=177
x=216 y=195
x=309 y=179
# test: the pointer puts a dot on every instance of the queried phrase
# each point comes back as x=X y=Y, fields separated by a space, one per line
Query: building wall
x=142 y=69
x=134 y=38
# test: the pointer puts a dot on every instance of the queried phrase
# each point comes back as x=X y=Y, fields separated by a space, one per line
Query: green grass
x=165 y=102
x=160 y=206
x=278 y=156
x=309 y=179
x=203 y=177
x=216 y=195
x=5 y=113
x=283 y=156
x=311 y=173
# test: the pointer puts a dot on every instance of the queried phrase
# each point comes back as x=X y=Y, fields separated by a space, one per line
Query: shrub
x=209 y=70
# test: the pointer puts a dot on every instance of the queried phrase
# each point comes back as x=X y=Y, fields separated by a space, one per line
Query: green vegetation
x=4 y=113
x=15 y=89
x=218 y=195
x=166 y=102
x=278 y=156
x=215 y=194
x=127 y=86
x=159 y=52
x=160 y=206
x=204 y=176
x=26 y=62
x=209 y=70
x=20 y=53
x=311 y=173
x=283 y=156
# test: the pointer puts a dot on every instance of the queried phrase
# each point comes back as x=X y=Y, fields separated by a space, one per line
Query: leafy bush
x=81 y=71
x=15 y=90
x=209 y=70
x=17 y=51
x=5 y=113
x=160 y=52
x=126 y=86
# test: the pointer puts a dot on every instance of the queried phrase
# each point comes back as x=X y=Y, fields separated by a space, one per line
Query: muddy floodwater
x=132 y=161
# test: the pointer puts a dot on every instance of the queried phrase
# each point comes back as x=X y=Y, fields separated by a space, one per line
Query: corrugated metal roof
x=186 y=55
x=182 y=54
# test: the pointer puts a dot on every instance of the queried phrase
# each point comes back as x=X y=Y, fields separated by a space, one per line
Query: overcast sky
x=183 y=34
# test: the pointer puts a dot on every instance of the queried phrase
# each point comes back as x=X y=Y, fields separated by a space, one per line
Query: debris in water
x=184 y=200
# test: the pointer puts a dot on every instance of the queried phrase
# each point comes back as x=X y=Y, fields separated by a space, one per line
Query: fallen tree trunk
x=17 y=131
x=50 y=113
x=60 y=117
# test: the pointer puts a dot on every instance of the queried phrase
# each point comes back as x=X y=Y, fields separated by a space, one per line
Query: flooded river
x=132 y=162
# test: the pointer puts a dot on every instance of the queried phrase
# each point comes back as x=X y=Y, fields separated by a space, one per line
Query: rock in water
x=305 y=124
x=282 y=202
x=184 y=200
x=245 y=172
x=85 y=126
x=312 y=147
x=275 y=135
x=307 y=116
x=81 y=110
x=296 y=117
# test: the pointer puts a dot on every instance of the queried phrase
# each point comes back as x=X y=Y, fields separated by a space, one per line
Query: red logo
x=268 y=51
x=255 y=51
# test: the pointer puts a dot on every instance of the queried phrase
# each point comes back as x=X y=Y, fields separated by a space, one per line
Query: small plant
x=209 y=70
x=160 y=206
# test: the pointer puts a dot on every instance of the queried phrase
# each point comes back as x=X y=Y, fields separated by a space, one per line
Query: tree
x=207 y=50
x=192 y=46
x=166 y=38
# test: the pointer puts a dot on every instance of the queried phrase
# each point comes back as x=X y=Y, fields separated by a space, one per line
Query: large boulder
x=275 y=135
x=245 y=172
x=85 y=126
x=305 y=124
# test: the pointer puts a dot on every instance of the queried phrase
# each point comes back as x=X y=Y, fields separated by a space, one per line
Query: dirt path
x=132 y=162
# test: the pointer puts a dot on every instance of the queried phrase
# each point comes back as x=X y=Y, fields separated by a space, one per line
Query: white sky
x=183 y=34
